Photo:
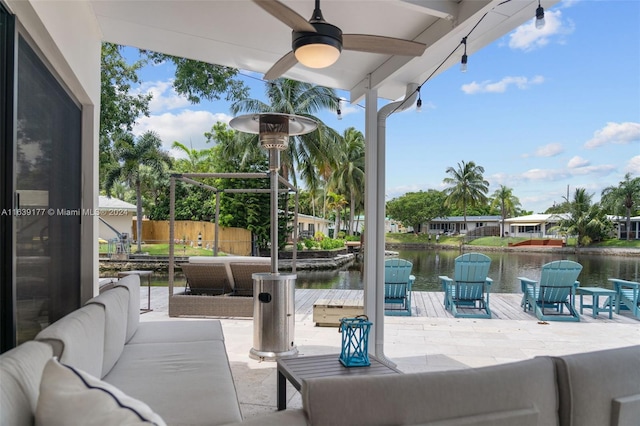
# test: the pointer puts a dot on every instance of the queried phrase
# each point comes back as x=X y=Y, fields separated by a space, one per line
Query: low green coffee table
x=595 y=293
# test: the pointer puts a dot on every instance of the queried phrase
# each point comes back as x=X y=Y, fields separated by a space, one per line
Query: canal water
x=505 y=270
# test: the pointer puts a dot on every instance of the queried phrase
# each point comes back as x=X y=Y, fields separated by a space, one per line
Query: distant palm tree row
x=467 y=189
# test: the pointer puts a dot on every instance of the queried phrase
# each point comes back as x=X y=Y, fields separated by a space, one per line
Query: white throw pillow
x=72 y=397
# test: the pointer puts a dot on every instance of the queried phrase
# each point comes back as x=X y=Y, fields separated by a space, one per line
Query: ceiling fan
x=317 y=44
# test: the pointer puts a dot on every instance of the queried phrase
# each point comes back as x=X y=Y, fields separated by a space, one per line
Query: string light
x=210 y=79
x=419 y=102
x=539 y=16
x=463 y=63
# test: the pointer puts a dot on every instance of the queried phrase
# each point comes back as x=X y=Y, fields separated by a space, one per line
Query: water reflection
x=505 y=268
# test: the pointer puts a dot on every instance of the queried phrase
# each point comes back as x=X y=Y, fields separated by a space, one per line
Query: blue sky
x=540 y=110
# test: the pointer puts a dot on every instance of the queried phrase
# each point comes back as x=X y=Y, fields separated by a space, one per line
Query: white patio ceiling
x=240 y=34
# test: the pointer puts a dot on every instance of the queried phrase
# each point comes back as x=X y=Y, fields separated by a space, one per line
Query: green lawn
x=163 y=250
x=495 y=241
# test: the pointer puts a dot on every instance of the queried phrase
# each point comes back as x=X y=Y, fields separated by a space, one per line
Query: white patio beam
x=433 y=37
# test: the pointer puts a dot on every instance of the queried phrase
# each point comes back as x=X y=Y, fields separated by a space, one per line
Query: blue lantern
x=355 y=341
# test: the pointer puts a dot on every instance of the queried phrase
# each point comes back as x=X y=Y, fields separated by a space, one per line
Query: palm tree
x=348 y=170
x=336 y=202
x=507 y=202
x=198 y=160
x=131 y=155
x=305 y=153
x=587 y=221
x=467 y=187
x=624 y=196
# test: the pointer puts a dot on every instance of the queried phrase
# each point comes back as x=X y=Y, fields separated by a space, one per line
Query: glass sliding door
x=47 y=182
x=7 y=312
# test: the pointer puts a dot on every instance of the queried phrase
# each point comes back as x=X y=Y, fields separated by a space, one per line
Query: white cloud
x=577 y=166
x=186 y=127
x=577 y=161
x=501 y=86
x=601 y=170
x=527 y=37
x=498 y=179
x=633 y=166
x=615 y=133
x=544 y=174
x=549 y=150
x=164 y=97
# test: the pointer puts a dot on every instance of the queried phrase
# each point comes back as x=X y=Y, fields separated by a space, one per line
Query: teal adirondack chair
x=469 y=288
x=627 y=296
x=397 y=286
x=555 y=291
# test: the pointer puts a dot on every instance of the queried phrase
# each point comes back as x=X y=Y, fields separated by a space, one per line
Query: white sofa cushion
x=132 y=283
x=20 y=371
x=116 y=307
x=196 y=330
x=78 y=338
x=187 y=383
x=71 y=397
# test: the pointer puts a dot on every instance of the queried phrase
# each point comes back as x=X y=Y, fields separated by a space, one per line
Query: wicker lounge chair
x=208 y=279
x=242 y=276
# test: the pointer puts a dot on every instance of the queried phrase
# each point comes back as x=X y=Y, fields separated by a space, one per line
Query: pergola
x=240 y=34
x=191 y=178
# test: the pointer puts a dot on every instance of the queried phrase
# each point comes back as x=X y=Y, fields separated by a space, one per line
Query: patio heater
x=273 y=292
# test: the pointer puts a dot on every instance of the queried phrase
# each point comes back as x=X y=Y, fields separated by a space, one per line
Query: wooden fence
x=230 y=240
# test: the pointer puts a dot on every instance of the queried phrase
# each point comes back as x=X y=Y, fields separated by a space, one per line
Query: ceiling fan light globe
x=318 y=49
x=317 y=55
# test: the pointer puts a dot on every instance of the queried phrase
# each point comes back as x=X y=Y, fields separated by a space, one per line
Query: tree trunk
x=139 y=216
x=351 y=208
x=628 y=224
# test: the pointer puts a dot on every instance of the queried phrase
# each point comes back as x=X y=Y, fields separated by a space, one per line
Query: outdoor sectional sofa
x=181 y=373
x=588 y=389
x=179 y=369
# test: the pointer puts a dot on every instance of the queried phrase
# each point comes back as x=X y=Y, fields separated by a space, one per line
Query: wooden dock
x=504 y=306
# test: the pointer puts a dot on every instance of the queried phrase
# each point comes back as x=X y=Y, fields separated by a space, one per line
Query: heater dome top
x=274 y=123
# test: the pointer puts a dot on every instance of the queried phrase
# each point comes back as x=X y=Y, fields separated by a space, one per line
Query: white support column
x=374 y=213
x=373 y=246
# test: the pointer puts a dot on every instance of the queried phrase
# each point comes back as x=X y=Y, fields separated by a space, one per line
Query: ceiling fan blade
x=381 y=44
x=286 y=15
x=283 y=65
